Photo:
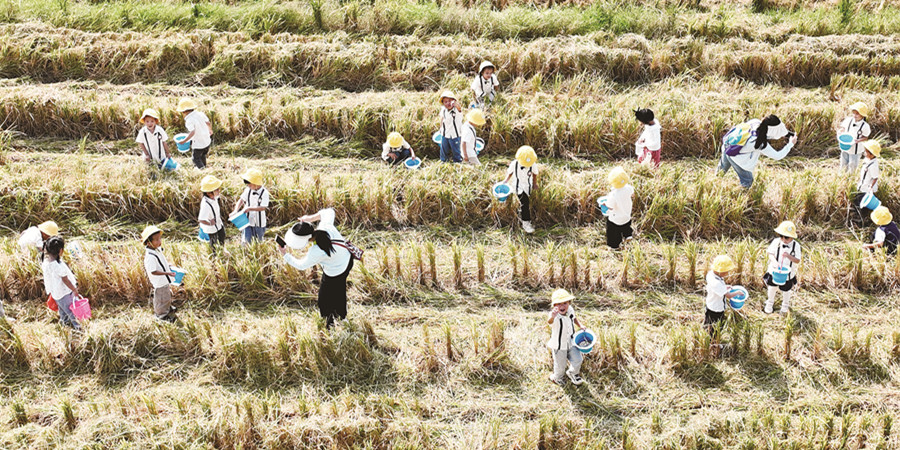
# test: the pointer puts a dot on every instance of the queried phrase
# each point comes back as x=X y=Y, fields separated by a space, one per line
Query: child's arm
x=187 y=138
x=166 y=147
x=258 y=208
x=162 y=274
x=145 y=151
x=209 y=125
x=790 y=258
x=551 y=316
x=508 y=177
x=580 y=326
x=465 y=153
x=412 y=153
x=69 y=284
x=239 y=204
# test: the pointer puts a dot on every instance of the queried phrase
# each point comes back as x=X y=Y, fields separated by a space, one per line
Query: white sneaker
x=527 y=227
x=576 y=379
x=555 y=381
x=768 y=310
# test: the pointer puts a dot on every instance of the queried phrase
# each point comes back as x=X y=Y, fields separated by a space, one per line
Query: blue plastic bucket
x=584 y=341
x=240 y=220
x=412 y=163
x=780 y=275
x=182 y=147
x=479 y=145
x=169 y=165
x=437 y=137
x=501 y=191
x=845 y=141
x=179 y=275
x=737 y=302
x=202 y=236
x=601 y=202
x=869 y=201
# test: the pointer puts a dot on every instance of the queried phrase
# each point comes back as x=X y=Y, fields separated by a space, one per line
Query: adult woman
x=743 y=145
x=330 y=251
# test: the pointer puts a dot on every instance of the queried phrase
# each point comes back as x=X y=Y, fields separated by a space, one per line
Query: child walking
x=160 y=274
x=210 y=217
x=524 y=174
x=255 y=201
x=856 y=125
x=649 y=144
x=717 y=293
x=620 y=202
x=152 y=139
x=59 y=282
x=484 y=86
x=475 y=118
x=199 y=131
x=396 y=149
x=451 y=122
x=887 y=234
x=869 y=172
x=784 y=251
x=563 y=321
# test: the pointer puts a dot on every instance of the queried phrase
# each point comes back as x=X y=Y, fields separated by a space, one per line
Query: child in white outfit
x=784 y=251
x=484 y=86
x=563 y=322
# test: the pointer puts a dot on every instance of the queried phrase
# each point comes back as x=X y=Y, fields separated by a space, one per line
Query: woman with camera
x=743 y=145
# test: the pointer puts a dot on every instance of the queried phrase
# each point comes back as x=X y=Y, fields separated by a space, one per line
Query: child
x=887 y=234
x=255 y=201
x=35 y=237
x=717 y=292
x=869 y=172
x=160 y=274
x=619 y=201
x=485 y=85
x=451 y=124
x=152 y=139
x=475 y=118
x=525 y=174
x=59 y=281
x=650 y=141
x=396 y=149
x=856 y=125
x=199 y=131
x=210 y=217
x=784 y=251
x=563 y=322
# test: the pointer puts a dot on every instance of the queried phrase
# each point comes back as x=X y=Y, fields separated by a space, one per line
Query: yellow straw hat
x=149 y=232
x=186 y=104
x=49 y=228
x=149 y=112
x=210 y=183
x=446 y=94
x=787 y=228
x=561 y=296
x=475 y=117
x=254 y=176
x=881 y=216
x=395 y=140
x=526 y=156
x=722 y=263
x=873 y=146
x=617 y=177
x=861 y=108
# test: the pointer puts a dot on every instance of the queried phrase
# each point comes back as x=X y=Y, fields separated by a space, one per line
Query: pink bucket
x=81 y=308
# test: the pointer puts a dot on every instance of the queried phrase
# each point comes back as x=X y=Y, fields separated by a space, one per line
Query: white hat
x=777 y=132
x=295 y=241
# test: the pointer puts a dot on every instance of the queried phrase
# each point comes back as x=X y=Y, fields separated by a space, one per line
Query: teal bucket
x=182 y=147
x=780 y=275
x=170 y=165
x=240 y=220
x=737 y=302
x=202 y=236
x=501 y=191
x=869 y=201
x=845 y=142
x=179 y=275
x=584 y=341
x=437 y=137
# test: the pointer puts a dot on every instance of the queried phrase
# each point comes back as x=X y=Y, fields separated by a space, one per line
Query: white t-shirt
x=522 y=180
x=54 y=272
x=196 y=122
x=858 y=130
x=715 y=292
x=563 y=329
x=31 y=237
x=209 y=210
x=256 y=199
x=868 y=172
x=468 y=139
x=651 y=136
x=620 y=203
x=153 y=142
x=880 y=236
x=154 y=261
x=451 y=123
x=386 y=148
x=775 y=250
x=484 y=88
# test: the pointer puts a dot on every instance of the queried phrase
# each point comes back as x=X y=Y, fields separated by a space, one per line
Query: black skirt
x=787 y=286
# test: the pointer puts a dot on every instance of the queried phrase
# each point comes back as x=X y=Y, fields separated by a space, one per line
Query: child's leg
x=162 y=301
x=445 y=150
x=560 y=359
x=613 y=234
x=260 y=233
x=457 y=151
x=66 y=315
x=525 y=207
x=2 y=312
x=786 y=301
x=844 y=161
x=575 y=360
x=853 y=164
x=770 y=302
x=724 y=162
x=656 y=157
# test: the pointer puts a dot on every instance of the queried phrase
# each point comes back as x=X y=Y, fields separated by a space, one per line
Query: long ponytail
x=762 y=131
x=323 y=241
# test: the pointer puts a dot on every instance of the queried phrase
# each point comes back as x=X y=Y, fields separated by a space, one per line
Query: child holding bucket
x=484 y=86
x=396 y=149
x=255 y=201
x=451 y=123
x=619 y=201
x=563 y=321
x=59 y=281
x=857 y=127
x=717 y=293
x=199 y=131
x=152 y=139
x=160 y=274
x=210 y=216
x=784 y=254
x=524 y=173
x=887 y=234
x=475 y=118
x=649 y=145
x=869 y=172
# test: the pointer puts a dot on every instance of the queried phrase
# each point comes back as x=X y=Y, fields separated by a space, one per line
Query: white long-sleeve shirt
x=749 y=156
x=333 y=265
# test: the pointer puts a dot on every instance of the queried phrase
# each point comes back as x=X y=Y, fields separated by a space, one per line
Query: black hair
x=302 y=229
x=54 y=246
x=644 y=115
x=763 y=130
x=320 y=237
x=207 y=194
